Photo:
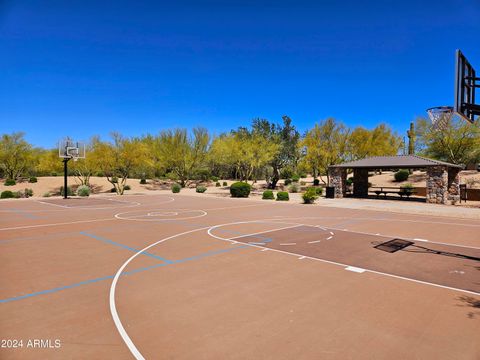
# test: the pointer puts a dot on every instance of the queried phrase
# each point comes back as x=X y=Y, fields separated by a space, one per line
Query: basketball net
x=440 y=116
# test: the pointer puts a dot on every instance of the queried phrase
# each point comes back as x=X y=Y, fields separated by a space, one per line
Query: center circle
x=161 y=215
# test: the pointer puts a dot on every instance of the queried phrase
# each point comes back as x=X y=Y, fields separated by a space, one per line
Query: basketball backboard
x=466 y=83
x=69 y=149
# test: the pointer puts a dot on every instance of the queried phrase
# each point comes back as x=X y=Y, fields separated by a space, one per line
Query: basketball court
x=178 y=276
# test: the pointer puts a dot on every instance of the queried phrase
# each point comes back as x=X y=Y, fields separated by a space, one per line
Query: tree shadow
x=470 y=302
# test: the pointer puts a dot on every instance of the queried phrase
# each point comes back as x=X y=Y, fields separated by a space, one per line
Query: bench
x=393 y=190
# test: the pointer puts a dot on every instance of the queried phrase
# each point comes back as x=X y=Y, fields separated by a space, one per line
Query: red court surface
x=190 y=277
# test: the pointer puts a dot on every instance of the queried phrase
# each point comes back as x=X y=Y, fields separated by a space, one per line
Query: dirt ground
x=181 y=276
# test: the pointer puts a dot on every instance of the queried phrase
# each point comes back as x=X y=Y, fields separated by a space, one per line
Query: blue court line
x=91 y=281
x=125 y=247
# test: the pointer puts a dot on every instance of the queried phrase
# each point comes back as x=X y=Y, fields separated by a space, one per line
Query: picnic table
x=402 y=191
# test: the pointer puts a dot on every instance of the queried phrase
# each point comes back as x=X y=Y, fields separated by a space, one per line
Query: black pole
x=65 y=174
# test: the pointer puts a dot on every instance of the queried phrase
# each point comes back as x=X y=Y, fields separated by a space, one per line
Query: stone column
x=453 y=186
x=360 y=182
x=437 y=184
x=338 y=177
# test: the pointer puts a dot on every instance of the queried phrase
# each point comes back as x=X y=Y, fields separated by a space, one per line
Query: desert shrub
x=176 y=188
x=225 y=183
x=113 y=190
x=318 y=190
x=18 y=194
x=287 y=182
x=286 y=173
x=171 y=176
x=10 y=182
x=401 y=175
x=215 y=178
x=302 y=175
x=316 y=182
x=100 y=174
x=28 y=192
x=201 y=189
x=53 y=174
x=217 y=184
x=69 y=191
x=7 y=194
x=240 y=189
x=114 y=180
x=293 y=188
x=310 y=196
x=268 y=195
x=47 y=194
x=408 y=188
x=83 y=190
x=143 y=181
x=127 y=187
x=282 y=196
x=32 y=179
x=295 y=178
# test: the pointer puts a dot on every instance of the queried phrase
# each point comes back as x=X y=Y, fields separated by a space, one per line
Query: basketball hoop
x=440 y=116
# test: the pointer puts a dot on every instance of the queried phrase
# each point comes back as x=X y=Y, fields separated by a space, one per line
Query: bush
x=287 y=182
x=268 y=195
x=217 y=184
x=407 y=188
x=7 y=194
x=83 y=190
x=316 y=182
x=100 y=174
x=293 y=188
x=201 y=189
x=215 y=178
x=143 y=181
x=295 y=178
x=113 y=190
x=240 y=189
x=310 y=196
x=18 y=194
x=33 y=179
x=176 y=188
x=127 y=187
x=171 y=176
x=114 y=180
x=28 y=192
x=53 y=174
x=401 y=175
x=302 y=175
x=286 y=173
x=318 y=190
x=10 y=182
x=349 y=181
x=69 y=191
x=225 y=183
x=47 y=194
x=282 y=196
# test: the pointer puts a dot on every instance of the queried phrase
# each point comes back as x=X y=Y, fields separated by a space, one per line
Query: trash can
x=330 y=193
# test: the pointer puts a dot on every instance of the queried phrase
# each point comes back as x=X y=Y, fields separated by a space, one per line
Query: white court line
x=355 y=269
x=55 y=224
x=328 y=238
x=347 y=265
x=425 y=240
x=314 y=242
x=286 y=244
x=385 y=235
x=47 y=203
x=128 y=341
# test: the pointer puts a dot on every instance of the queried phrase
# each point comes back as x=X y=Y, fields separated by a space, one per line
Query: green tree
x=83 y=169
x=458 y=142
x=16 y=155
x=119 y=159
x=183 y=154
x=49 y=162
x=325 y=145
x=380 y=141
x=286 y=138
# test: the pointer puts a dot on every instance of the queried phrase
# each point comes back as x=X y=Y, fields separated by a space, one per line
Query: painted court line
x=55 y=224
x=108 y=241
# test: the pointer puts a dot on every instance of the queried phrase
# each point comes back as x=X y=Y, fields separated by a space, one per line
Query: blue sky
x=81 y=68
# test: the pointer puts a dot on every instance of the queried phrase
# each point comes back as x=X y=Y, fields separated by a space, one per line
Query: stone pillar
x=437 y=185
x=453 y=186
x=338 y=177
x=360 y=182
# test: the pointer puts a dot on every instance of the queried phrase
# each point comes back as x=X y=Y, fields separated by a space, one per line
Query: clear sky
x=81 y=68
